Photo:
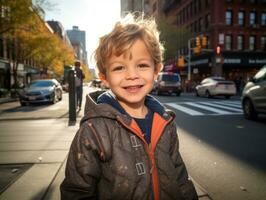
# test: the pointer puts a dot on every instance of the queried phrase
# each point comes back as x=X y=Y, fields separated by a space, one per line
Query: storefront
x=4 y=77
x=232 y=65
x=242 y=65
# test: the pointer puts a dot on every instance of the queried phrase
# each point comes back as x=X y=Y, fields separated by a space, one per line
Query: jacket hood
x=102 y=103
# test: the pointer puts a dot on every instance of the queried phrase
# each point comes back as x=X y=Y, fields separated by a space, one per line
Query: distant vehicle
x=47 y=90
x=216 y=86
x=167 y=82
x=254 y=95
x=96 y=83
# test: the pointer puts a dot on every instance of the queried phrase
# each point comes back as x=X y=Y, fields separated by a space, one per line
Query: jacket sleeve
x=82 y=168
x=185 y=184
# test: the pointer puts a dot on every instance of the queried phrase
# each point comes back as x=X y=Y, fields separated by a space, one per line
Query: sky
x=96 y=17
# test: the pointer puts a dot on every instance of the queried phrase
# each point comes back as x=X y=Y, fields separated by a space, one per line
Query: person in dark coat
x=79 y=83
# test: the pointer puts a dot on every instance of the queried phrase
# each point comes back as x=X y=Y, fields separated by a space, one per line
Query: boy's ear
x=158 y=68
x=102 y=77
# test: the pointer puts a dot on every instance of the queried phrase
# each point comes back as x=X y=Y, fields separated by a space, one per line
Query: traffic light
x=197 y=50
x=218 y=50
x=181 y=62
x=204 y=41
x=198 y=41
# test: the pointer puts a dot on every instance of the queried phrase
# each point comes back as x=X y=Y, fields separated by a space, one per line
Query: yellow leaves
x=58 y=67
x=33 y=39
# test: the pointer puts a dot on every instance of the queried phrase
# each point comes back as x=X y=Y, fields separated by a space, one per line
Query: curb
x=7 y=100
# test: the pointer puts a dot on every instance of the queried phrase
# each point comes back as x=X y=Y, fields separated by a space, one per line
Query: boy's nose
x=132 y=73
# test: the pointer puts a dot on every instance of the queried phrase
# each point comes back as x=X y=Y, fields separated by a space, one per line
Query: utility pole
x=189 y=58
x=143 y=9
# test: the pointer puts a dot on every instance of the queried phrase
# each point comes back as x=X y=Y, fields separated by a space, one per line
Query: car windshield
x=218 y=79
x=41 y=84
x=170 y=78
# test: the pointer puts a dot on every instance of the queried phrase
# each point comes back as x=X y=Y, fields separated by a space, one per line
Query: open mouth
x=133 y=88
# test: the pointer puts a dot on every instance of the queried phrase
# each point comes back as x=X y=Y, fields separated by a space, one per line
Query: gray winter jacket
x=110 y=159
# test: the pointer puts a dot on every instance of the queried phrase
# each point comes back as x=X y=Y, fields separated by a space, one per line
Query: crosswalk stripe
x=236 y=105
x=221 y=106
x=184 y=109
x=218 y=111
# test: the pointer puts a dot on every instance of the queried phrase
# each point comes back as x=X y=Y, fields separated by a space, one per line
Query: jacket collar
x=102 y=103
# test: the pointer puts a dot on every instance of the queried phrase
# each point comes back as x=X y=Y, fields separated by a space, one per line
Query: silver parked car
x=167 y=82
x=216 y=86
x=46 y=90
x=254 y=95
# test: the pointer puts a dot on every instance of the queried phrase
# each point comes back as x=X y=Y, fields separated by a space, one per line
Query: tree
x=173 y=38
x=15 y=14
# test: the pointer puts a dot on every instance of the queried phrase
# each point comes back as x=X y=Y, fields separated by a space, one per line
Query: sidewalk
x=41 y=181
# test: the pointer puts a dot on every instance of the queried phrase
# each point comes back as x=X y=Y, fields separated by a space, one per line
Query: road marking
x=218 y=111
x=184 y=109
x=237 y=104
x=222 y=106
x=216 y=108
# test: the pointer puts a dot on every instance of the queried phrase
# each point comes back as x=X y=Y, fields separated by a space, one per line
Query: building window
x=207 y=21
x=252 y=18
x=200 y=24
x=241 y=18
x=252 y=43
x=228 y=17
x=263 y=19
x=207 y=3
x=240 y=42
x=228 y=42
x=263 y=43
x=1 y=47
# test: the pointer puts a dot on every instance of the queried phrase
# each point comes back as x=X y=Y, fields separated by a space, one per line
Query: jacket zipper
x=149 y=151
x=102 y=155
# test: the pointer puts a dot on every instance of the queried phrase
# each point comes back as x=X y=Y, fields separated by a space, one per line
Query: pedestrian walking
x=79 y=83
x=127 y=146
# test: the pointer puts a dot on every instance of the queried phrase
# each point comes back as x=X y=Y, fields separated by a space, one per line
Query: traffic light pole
x=189 y=58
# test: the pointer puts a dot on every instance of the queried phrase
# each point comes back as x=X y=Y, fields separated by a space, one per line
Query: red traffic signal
x=218 y=50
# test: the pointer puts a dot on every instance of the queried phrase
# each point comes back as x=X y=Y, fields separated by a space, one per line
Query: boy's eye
x=118 y=68
x=143 y=66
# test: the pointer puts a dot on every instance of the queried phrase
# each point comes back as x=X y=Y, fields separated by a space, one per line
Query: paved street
x=224 y=152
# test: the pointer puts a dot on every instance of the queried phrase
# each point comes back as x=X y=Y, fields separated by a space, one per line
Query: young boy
x=127 y=145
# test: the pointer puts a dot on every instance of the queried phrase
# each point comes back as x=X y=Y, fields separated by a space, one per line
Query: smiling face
x=130 y=76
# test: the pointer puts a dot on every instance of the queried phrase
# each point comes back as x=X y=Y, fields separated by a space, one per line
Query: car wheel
x=23 y=103
x=158 y=92
x=178 y=94
x=227 y=97
x=207 y=94
x=249 y=111
x=54 y=99
x=60 y=96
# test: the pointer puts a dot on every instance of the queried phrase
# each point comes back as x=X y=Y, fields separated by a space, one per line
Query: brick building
x=237 y=26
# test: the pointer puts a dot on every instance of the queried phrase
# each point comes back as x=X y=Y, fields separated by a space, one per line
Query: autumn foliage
x=21 y=24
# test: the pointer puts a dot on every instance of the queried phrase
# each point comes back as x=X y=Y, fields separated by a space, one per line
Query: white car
x=254 y=95
x=216 y=86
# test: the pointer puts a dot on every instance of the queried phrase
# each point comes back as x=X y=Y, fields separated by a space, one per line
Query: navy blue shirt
x=145 y=124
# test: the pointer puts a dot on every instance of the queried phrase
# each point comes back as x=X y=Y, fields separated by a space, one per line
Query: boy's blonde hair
x=122 y=37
